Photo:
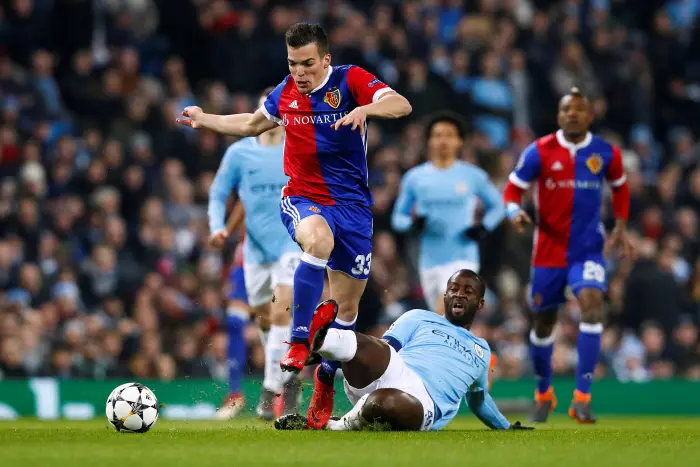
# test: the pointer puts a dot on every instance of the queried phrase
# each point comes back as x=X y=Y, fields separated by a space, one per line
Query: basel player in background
x=326 y=203
x=253 y=167
x=438 y=199
x=568 y=169
x=416 y=377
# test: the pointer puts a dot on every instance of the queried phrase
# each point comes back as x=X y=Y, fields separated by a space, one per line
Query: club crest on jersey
x=595 y=164
x=479 y=350
x=461 y=188
x=314 y=209
x=333 y=98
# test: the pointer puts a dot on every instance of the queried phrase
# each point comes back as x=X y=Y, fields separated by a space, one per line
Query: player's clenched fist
x=193 y=113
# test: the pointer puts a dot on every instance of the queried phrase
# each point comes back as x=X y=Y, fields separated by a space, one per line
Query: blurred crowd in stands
x=104 y=267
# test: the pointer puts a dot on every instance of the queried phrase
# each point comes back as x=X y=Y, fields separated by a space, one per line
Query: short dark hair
x=445 y=117
x=301 y=34
x=470 y=273
x=575 y=93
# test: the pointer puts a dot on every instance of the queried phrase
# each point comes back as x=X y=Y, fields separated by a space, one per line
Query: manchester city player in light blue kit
x=438 y=199
x=253 y=167
x=416 y=376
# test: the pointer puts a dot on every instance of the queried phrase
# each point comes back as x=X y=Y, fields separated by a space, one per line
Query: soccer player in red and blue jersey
x=568 y=170
x=326 y=203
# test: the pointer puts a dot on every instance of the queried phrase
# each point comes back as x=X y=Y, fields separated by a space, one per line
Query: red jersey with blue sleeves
x=325 y=165
x=568 y=191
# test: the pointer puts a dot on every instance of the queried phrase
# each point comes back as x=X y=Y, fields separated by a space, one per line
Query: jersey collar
x=571 y=146
x=325 y=81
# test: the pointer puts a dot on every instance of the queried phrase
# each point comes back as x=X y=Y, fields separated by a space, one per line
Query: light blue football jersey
x=447 y=199
x=256 y=172
x=451 y=361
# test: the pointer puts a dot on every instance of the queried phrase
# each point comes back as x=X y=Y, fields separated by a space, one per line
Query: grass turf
x=615 y=441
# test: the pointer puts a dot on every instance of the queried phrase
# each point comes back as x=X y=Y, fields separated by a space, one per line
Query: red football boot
x=296 y=357
x=321 y=405
x=324 y=316
x=299 y=354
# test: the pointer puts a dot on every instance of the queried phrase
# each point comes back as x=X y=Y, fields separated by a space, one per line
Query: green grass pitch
x=614 y=441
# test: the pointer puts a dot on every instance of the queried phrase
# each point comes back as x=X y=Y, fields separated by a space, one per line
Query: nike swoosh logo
x=315 y=418
x=251 y=172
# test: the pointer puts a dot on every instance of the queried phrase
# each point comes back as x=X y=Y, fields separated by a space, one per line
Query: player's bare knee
x=395 y=408
x=315 y=237
x=591 y=304
x=318 y=244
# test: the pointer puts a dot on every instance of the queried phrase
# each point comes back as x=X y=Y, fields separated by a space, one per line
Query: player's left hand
x=356 y=119
x=621 y=239
x=519 y=426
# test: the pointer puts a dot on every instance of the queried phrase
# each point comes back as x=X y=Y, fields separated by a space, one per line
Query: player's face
x=307 y=66
x=462 y=299
x=444 y=141
x=574 y=115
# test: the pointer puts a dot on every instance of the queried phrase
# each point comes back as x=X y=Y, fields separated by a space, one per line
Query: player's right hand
x=218 y=239
x=193 y=112
x=520 y=220
x=519 y=426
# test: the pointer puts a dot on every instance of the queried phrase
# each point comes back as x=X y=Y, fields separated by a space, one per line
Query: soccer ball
x=132 y=408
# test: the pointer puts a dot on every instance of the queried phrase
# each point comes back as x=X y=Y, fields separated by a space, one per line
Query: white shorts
x=261 y=279
x=434 y=280
x=399 y=376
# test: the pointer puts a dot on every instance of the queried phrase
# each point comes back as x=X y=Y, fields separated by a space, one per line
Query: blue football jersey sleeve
x=271 y=106
x=403 y=328
x=493 y=202
x=401 y=219
x=527 y=169
x=482 y=404
x=227 y=178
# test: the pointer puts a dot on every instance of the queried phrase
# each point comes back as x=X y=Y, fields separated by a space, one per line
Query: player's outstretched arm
x=484 y=408
x=482 y=405
x=235 y=125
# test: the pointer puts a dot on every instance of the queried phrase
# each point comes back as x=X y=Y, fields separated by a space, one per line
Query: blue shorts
x=237 y=282
x=352 y=232
x=548 y=285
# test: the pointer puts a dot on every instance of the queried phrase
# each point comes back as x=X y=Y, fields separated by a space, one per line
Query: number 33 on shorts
x=362 y=265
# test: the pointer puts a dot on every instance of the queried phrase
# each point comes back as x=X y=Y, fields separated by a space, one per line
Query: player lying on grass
x=414 y=378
